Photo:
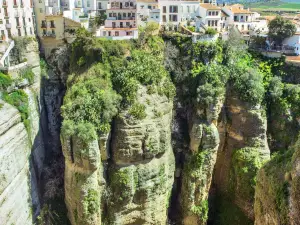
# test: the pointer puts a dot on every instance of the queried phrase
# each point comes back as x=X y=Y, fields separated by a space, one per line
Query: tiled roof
x=238 y=9
x=209 y=6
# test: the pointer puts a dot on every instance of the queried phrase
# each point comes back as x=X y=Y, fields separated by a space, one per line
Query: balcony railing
x=49 y=35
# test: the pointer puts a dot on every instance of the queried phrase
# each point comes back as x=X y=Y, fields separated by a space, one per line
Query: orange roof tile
x=209 y=6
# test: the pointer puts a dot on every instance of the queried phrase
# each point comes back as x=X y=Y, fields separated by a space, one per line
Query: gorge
x=158 y=130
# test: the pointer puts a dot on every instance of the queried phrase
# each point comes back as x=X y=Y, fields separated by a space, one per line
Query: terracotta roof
x=209 y=6
x=238 y=9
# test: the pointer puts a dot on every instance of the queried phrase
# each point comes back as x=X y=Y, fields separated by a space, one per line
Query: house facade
x=239 y=17
x=16 y=19
x=210 y=16
x=174 y=12
x=121 y=22
x=293 y=42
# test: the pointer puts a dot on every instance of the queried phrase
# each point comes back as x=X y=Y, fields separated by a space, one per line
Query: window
x=41 y=10
x=164 y=18
x=99 y=5
x=40 y=1
x=209 y=13
x=131 y=4
x=149 y=6
x=142 y=6
x=30 y=30
x=128 y=33
x=117 y=33
x=29 y=20
x=173 y=18
x=173 y=9
x=164 y=9
x=9 y=33
x=188 y=9
x=110 y=15
x=235 y=18
x=217 y=13
x=246 y=18
x=44 y=31
x=104 y=33
x=121 y=24
x=208 y=23
x=19 y=32
x=53 y=32
x=88 y=4
x=213 y=13
x=127 y=24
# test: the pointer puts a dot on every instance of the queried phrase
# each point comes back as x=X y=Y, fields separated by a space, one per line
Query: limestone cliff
x=141 y=174
x=277 y=190
x=242 y=151
x=22 y=150
x=136 y=183
x=14 y=168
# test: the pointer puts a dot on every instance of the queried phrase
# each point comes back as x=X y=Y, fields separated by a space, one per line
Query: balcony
x=49 y=34
x=52 y=26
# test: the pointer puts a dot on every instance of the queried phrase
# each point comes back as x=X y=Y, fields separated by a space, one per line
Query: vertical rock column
x=83 y=180
x=199 y=164
x=141 y=174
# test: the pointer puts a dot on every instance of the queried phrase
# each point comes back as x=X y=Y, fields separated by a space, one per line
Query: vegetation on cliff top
x=106 y=77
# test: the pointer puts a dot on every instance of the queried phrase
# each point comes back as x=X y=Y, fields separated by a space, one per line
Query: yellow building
x=56 y=30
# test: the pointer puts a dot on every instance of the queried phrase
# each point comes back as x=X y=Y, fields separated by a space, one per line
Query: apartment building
x=239 y=17
x=121 y=22
x=16 y=19
x=148 y=10
x=174 y=12
x=210 y=16
x=53 y=26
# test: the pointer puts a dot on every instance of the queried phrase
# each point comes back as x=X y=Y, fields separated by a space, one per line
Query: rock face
x=138 y=169
x=199 y=163
x=15 y=195
x=22 y=151
x=277 y=192
x=242 y=151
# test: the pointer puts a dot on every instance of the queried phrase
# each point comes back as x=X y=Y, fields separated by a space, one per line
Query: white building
x=239 y=17
x=16 y=19
x=173 y=12
x=121 y=22
x=148 y=10
x=210 y=16
x=294 y=42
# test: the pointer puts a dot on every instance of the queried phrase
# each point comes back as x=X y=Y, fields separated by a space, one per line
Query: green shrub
x=138 y=111
x=211 y=31
x=201 y=210
x=1 y=106
x=27 y=74
x=143 y=68
x=191 y=28
x=91 y=203
x=19 y=99
x=44 y=68
x=91 y=99
x=5 y=81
